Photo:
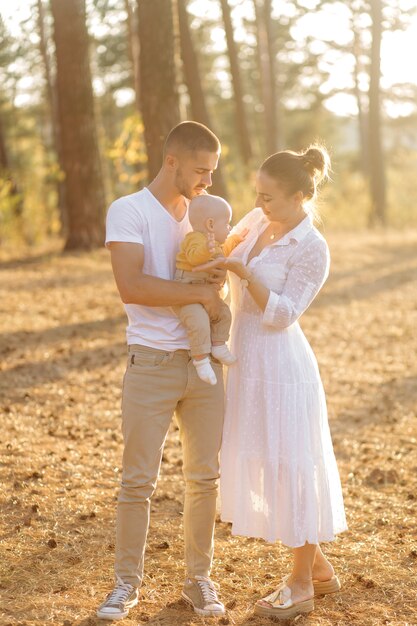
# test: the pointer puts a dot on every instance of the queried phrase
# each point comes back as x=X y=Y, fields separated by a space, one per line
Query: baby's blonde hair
x=205 y=206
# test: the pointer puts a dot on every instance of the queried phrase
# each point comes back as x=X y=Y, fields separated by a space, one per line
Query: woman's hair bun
x=316 y=161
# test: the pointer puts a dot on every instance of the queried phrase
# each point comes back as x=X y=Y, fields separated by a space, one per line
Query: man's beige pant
x=156 y=384
x=201 y=330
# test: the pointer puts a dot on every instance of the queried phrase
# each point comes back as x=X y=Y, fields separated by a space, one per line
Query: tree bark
x=267 y=72
x=195 y=89
x=376 y=157
x=241 y=121
x=53 y=108
x=276 y=123
x=80 y=154
x=134 y=49
x=158 y=86
x=7 y=175
x=362 y=116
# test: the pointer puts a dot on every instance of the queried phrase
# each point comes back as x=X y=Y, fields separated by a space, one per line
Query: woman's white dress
x=279 y=478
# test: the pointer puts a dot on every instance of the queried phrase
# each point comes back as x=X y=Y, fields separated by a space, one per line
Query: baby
x=210 y=219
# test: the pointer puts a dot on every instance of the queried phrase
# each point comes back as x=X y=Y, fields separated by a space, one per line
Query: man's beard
x=184 y=189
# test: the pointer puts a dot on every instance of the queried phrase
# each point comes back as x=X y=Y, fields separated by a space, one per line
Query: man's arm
x=135 y=287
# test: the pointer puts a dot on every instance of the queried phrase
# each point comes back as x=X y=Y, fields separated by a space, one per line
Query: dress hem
x=288 y=545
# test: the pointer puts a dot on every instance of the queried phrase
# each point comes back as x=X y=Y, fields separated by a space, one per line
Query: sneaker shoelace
x=209 y=591
x=119 y=594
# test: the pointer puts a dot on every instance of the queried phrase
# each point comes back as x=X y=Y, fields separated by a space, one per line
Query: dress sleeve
x=304 y=280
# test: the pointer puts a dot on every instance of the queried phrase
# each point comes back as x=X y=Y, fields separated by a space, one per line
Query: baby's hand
x=211 y=243
x=242 y=235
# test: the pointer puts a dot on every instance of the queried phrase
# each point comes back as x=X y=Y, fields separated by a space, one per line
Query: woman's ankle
x=300 y=579
x=323 y=571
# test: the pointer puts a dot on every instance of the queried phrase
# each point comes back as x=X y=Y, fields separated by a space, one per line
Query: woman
x=279 y=478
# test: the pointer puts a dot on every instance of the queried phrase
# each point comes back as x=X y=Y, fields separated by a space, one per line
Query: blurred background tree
x=193 y=82
x=84 y=190
x=84 y=110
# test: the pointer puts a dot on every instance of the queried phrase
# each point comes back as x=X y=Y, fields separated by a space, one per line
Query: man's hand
x=212 y=302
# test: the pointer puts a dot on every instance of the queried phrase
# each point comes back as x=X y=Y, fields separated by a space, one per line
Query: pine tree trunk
x=376 y=157
x=6 y=174
x=80 y=154
x=241 y=122
x=266 y=72
x=195 y=89
x=158 y=86
x=134 y=50
x=362 y=118
x=276 y=125
x=53 y=112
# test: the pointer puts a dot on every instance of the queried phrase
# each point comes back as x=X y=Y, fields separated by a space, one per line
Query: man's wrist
x=203 y=293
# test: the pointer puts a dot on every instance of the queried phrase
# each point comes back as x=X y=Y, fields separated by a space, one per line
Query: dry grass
x=62 y=360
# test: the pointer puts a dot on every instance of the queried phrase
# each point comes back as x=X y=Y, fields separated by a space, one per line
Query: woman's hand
x=217 y=277
x=233 y=265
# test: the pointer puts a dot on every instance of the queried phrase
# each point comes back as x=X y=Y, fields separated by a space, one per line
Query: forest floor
x=62 y=362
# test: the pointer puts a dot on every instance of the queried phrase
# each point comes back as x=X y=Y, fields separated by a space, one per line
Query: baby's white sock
x=223 y=354
x=205 y=371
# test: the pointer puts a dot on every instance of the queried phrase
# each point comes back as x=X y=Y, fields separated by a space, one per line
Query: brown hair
x=299 y=171
x=191 y=136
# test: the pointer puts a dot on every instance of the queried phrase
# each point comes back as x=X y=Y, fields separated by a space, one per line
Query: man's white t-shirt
x=141 y=218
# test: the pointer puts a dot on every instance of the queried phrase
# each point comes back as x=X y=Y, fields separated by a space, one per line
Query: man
x=144 y=231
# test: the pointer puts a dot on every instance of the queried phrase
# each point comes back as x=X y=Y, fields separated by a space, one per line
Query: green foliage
x=110 y=49
x=402 y=176
x=302 y=68
x=9 y=211
x=128 y=155
x=344 y=201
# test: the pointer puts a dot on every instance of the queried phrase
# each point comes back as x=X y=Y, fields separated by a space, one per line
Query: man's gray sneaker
x=118 y=602
x=201 y=593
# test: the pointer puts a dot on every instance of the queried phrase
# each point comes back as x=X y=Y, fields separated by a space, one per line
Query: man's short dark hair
x=191 y=136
